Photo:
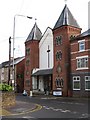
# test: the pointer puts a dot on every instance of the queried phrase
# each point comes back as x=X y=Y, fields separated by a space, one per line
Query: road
x=55 y=107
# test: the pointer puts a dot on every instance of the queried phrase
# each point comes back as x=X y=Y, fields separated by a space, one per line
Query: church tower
x=31 y=55
x=66 y=28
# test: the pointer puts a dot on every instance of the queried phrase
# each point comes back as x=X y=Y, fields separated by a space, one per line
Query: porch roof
x=43 y=72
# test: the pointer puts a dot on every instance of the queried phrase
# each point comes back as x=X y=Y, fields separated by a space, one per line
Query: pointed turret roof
x=66 y=18
x=35 y=33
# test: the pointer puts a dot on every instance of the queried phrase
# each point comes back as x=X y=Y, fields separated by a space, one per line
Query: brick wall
x=77 y=72
x=33 y=62
x=8 y=99
x=65 y=32
x=20 y=67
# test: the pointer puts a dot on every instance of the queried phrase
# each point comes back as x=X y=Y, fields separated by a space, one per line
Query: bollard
x=30 y=93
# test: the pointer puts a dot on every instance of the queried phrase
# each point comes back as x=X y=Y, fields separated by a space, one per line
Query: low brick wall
x=8 y=99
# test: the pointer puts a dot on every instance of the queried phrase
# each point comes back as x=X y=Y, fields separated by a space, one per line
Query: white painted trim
x=81 y=41
x=86 y=56
x=85 y=83
x=81 y=51
x=83 y=68
x=74 y=52
x=76 y=80
x=87 y=89
x=73 y=59
x=76 y=89
x=73 y=43
x=87 y=50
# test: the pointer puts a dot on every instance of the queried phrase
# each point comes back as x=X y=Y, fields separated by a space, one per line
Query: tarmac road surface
x=51 y=107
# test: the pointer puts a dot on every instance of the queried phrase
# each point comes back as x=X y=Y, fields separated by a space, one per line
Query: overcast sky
x=46 y=12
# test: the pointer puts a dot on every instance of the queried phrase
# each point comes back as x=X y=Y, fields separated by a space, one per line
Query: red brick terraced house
x=19 y=67
x=80 y=64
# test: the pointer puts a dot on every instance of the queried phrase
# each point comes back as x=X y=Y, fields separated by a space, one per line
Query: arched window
x=27 y=61
x=58 y=55
x=59 y=82
x=58 y=40
x=27 y=51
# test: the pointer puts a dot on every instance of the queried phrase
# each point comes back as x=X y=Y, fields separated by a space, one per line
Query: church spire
x=35 y=33
x=66 y=18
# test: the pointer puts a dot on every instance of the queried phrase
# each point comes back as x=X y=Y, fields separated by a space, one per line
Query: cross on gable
x=48 y=49
x=48 y=56
x=65 y=1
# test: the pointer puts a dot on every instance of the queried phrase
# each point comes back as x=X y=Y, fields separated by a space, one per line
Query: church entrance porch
x=47 y=84
x=42 y=82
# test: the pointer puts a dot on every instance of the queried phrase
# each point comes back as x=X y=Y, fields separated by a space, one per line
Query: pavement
x=20 y=108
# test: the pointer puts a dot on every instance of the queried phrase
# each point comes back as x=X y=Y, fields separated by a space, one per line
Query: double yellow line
x=7 y=113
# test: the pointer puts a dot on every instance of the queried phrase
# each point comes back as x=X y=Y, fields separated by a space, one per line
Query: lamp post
x=9 y=59
x=13 y=81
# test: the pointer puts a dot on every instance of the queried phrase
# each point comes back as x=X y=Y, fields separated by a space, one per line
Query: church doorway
x=47 y=84
x=42 y=81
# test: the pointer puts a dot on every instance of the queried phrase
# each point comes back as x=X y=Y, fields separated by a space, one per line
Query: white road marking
x=27 y=117
x=72 y=103
x=55 y=109
x=48 y=98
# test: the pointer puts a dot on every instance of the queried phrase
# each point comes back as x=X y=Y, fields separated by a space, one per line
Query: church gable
x=47 y=33
x=46 y=43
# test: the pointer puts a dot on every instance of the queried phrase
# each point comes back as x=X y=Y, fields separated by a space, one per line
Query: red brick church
x=58 y=62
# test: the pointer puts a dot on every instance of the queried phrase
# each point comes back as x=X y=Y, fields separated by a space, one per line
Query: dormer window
x=81 y=45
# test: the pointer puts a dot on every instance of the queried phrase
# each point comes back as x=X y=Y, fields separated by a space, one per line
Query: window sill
x=81 y=51
x=76 y=89
x=87 y=90
x=82 y=68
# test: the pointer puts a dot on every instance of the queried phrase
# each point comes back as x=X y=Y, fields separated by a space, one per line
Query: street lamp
x=13 y=82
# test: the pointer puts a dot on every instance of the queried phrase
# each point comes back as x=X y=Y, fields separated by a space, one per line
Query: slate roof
x=66 y=18
x=43 y=72
x=84 y=34
x=4 y=64
x=35 y=33
x=16 y=61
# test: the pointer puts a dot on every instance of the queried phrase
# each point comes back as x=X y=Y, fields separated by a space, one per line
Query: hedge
x=5 y=87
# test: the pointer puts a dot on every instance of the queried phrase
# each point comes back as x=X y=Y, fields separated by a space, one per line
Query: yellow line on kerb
x=38 y=107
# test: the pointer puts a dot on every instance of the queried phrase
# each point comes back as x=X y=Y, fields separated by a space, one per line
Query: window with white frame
x=87 y=82
x=11 y=76
x=81 y=45
x=82 y=62
x=2 y=76
x=2 y=70
x=76 y=83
